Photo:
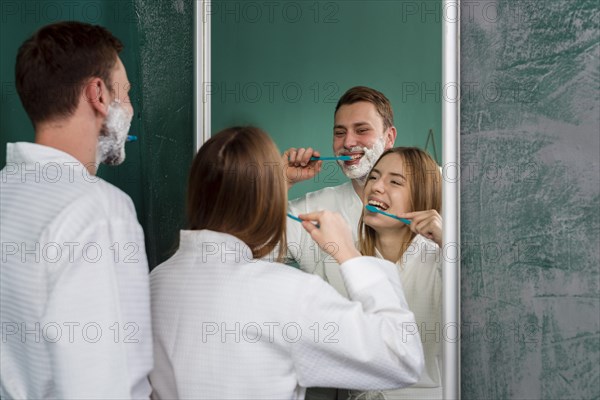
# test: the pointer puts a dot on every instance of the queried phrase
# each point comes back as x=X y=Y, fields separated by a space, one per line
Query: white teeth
x=378 y=204
x=354 y=156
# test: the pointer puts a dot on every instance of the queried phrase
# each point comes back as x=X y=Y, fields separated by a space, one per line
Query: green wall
x=283 y=66
x=529 y=196
x=166 y=56
x=158 y=56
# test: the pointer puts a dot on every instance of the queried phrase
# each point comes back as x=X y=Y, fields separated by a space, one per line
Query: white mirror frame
x=451 y=198
x=202 y=77
x=450 y=333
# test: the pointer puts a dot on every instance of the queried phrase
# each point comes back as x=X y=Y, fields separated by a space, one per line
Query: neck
x=74 y=135
x=358 y=185
x=392 y=243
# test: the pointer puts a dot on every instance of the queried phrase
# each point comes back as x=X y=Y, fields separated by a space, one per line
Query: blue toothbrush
x=298 y=219
x=341 y=158
x=377 y=210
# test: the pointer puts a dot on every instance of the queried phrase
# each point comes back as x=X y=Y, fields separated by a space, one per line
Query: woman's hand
x=333 y=234
x=425 y=223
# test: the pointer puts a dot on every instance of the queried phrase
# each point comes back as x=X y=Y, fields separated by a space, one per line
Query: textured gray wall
x=530 y=182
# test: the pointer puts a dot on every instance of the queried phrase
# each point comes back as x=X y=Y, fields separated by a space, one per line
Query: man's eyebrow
x=337 y=126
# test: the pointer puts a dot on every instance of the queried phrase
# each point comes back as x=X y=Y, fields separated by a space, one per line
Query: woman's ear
x=96 y=94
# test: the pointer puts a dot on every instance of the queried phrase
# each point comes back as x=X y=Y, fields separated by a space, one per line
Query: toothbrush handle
x=406 y=221
x=342 y=158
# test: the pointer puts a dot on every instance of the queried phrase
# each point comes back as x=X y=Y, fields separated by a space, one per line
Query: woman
x=228 y=324
x=406 y=182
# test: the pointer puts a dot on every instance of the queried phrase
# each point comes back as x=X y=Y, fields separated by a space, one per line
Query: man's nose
x=350 y=140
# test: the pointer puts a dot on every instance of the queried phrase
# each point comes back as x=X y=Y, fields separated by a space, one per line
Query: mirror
x=283 y=65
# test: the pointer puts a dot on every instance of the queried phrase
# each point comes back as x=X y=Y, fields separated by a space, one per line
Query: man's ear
x=96 y=94
x=390 y=137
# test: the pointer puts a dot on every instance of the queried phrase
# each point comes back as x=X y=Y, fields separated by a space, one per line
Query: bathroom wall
x=529 y=196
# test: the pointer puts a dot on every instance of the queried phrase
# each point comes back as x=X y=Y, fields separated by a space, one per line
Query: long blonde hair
x=425 y=183
x=236 y=186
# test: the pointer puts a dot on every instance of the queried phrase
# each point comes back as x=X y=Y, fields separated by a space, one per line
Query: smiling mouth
x=355 y=157
x=382 y=206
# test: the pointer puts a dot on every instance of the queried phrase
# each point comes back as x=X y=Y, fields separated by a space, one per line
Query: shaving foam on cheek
x=371 y=155
x=111 y=142
x=118 y=121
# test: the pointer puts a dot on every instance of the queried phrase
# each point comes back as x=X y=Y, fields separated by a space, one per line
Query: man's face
x=113 y=134
x=358 y=132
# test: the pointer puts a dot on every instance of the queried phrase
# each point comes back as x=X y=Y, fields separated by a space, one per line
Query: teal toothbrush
x=341 y=158
x=377 y=210
x=298 y=219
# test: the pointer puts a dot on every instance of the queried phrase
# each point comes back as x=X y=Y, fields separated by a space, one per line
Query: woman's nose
x=378 y=186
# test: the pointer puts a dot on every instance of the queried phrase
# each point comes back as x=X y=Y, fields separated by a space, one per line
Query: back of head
x=56 y=62
x=236 y=186
x=375 y=97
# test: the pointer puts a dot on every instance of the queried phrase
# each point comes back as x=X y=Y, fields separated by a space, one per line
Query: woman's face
x=387 y=188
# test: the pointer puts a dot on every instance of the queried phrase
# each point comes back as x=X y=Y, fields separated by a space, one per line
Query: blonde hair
x=236 y=186
x=425 y=183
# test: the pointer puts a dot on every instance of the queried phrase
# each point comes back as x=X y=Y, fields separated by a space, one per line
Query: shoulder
x=286 y=275
x=423 y=252
x=112 y=200
x=280 y=289
x=95 y=203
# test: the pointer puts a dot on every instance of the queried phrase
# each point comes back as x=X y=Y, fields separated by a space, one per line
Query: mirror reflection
x=354 y=79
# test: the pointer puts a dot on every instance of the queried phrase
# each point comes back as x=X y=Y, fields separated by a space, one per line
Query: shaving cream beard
x=113 y=134
x=367 y=161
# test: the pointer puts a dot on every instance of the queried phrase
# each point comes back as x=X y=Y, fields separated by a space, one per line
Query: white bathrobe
x=420 y=272
x=75 y=298
x=227 y=326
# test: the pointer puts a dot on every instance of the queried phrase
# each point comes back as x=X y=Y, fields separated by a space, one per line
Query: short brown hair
x=54 y=64
x=237 y=186
x=425 y=182
x=375 y=97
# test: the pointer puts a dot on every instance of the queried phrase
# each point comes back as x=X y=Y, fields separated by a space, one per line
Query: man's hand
x=298 y=167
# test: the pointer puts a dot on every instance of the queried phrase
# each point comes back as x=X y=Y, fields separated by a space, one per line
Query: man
x=363 y=129
x=74 y=304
